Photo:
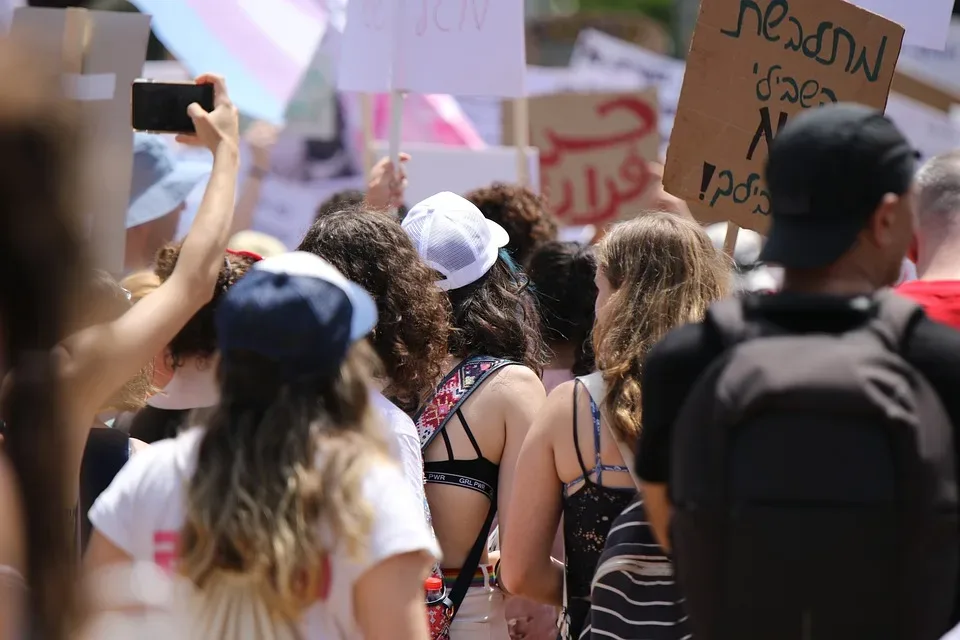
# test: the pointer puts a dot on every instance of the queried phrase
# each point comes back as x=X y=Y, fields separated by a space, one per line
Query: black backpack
x=814 y=485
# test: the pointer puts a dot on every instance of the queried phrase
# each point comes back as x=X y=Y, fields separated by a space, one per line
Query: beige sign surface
x=102 y=53
x=594 y=153
x=752 y=65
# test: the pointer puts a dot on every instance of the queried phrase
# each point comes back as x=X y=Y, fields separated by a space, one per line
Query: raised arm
x=98 y=360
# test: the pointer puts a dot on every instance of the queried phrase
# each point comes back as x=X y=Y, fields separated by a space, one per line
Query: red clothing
x=940 y=299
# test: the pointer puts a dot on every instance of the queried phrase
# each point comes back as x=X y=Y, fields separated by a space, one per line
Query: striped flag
x=261 y=47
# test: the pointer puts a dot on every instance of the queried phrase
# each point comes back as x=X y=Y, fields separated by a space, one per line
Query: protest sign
x=938 y=67
x=926 y=21
x=102 y=53
x=460 y=47
x=435 y=168
x=600 y=51
x=929 y=130
x=752 y=65
x=594 y=153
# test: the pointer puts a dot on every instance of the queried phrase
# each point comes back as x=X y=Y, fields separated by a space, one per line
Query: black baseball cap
x=827 y=171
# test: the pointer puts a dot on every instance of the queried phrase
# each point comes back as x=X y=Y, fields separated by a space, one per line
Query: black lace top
x=588 y=514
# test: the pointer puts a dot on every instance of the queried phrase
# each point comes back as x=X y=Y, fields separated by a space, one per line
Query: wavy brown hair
x=664 y=272
x=521 y=212
x=372 y=249
x=257 y=496
x=496 y=316
x=40 y=259
x=198 y=338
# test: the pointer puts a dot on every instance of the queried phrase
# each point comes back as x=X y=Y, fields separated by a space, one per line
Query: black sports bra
x=478 y=474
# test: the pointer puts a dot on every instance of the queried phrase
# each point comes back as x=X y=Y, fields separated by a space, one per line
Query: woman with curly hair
x=495 y=353
x=410 y=339
x=654 y=273
x=191 y=354
x=521 y=212
x=283 y=510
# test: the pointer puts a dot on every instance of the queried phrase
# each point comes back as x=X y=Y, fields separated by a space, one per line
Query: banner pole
x=730 y=240
x=521 y=128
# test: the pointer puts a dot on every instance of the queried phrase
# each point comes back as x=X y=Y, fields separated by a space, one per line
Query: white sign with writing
x=459 y=47
x=925 y=22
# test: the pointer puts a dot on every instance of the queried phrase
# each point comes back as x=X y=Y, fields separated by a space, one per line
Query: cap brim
x=168 y=194
x=363 y=316
x=498 y=234
x=807 y=242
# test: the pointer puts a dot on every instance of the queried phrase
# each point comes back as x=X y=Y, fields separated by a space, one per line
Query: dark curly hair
x=199 y=337
x=521 y=212
x=373 y=250
x=496 y=316
x=346 y=199
x=562 y=280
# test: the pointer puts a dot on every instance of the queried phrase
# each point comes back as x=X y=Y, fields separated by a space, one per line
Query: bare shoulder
x=556 y=414
x=136 y=446
x=516 y=381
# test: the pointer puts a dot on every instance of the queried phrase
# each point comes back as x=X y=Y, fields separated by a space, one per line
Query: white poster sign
x=459 y=47
x=926 y=22
x=436 y=168
x=941 y=68
x=931 y=132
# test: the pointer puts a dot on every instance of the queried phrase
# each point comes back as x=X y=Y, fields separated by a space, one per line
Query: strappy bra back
x=593 y=476
x=477 y=474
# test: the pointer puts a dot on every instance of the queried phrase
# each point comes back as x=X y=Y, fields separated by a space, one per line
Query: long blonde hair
x=257 y=497
x=664 y=272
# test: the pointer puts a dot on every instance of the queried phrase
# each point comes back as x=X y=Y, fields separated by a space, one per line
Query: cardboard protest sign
x=460 y=47
x=594 y=153
x=102 y=53
x=752 y=65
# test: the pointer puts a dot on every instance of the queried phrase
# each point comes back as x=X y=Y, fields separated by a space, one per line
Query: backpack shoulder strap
x=895 y=317
x=451 y=393
x=728 y=318
x=596 y=387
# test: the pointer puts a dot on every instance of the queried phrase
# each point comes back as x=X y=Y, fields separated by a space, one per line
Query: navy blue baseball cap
x=297 y=309
x=827 y=172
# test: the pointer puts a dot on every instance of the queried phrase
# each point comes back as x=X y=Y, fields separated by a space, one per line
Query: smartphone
x=161 y=107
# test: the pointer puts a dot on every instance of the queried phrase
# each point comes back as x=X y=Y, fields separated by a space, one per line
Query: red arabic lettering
x=478 y=10
x=604 y=195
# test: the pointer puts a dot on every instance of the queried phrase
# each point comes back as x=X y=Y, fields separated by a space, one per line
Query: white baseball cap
x=453 y=238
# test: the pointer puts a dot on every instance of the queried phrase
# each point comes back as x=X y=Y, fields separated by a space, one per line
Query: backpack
x=813 y=484
x=450 y=395
x=633 y=586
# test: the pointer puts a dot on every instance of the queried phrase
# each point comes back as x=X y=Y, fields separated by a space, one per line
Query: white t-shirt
x=403 y=440
x=143 y=511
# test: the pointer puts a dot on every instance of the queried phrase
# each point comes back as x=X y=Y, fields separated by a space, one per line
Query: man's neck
x=853 y=285
x=941 y=261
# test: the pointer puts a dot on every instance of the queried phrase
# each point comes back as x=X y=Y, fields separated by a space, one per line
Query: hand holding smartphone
x=161 y=107
x=201 y=114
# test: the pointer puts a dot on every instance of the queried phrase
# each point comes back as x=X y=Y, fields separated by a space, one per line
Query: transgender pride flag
x=262 y=47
